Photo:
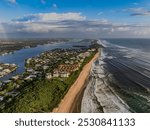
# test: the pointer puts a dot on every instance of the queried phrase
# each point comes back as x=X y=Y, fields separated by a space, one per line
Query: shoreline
x=72 y=100
x=76 y=107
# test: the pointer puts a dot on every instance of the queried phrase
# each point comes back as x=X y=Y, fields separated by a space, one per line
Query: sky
x=74 y=18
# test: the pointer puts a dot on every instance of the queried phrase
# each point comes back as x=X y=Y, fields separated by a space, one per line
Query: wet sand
x=72 y=100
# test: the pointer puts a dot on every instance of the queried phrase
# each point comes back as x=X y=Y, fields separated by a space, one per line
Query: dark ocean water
x=141 y=44
x=128 y=60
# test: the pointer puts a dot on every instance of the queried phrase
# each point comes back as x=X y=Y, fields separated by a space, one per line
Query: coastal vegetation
x=42 y=94
x=38 y=96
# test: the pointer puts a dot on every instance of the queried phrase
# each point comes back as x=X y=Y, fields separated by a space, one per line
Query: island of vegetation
x=46 y=80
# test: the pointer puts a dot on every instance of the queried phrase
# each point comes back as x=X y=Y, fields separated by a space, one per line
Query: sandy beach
x=72 y=99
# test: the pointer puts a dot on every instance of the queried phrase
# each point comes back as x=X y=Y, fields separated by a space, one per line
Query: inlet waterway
x=19 y=57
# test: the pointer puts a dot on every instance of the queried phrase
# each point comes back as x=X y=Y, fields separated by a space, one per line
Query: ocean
x=130 y=59
x=125 y=81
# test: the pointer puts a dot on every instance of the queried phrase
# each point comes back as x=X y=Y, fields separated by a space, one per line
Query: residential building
x=49 y=76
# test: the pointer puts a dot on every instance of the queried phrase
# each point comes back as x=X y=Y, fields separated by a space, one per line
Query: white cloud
x=100 y=13
x=51 y=17
x=146 y=13
x=104 y=21
x=12 y=1
x=144 y=31
x=43 y=2
x=70 y=25
x=135 y=3
x=140 y=11
x=93 y=30
x=123 y=29
x=135 y=10
x=54 y=6
x=41 y=27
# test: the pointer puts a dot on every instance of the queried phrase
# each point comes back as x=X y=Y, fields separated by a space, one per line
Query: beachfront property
x=58 y=63
x=64 y=70
x=64 y=74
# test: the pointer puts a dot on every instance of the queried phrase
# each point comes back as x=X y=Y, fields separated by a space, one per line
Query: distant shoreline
x=72 y=99
x=10 y=46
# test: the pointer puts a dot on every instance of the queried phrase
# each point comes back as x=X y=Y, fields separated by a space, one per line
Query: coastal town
x=85 y=56
x=49 y=65
x=58 y=63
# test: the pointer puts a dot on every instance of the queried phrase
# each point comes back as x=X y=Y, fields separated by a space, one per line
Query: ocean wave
x=121 y=80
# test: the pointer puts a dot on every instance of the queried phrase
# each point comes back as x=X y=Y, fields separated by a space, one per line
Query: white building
x=7 y=70
x=49 y=75
x=56 y=74
x=64 y=74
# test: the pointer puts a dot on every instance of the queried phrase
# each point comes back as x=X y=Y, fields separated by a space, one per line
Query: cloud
x=43 y=2
x=41 y=27
x=54 y=6
x=50 y=17
x=140 y=11
x=146 y=13
x=70 y=25
x=135 y=3
x=100 y=13
x=12 y=1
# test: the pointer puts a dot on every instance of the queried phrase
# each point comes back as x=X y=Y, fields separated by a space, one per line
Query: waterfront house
x=30 y=70
x=15 y=77
x=6 y=64
x=13 y=65
x=7 y=70
x=28 y=60
x=1 y=68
